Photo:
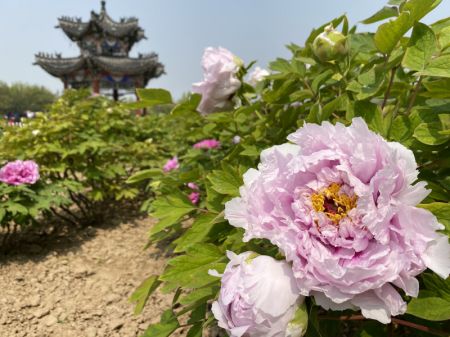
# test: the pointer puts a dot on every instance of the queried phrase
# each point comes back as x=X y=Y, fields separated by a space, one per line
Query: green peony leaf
x=143 y=175
x=191 y=270
x=430 y=308
x=384 y=13
x=169 y=210
x=143 y=292
x=431 y=134
x=439 y=67
x=421 y=48
x=169 y=323
x=151 y=96
x=198 y=231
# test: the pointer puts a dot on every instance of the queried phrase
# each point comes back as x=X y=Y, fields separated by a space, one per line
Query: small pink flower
x=194 y=197
x=207 y=144
x=193 y=186
x=171 y=164
x=20 y=172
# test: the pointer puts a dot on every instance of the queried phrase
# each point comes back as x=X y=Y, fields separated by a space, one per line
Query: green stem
x=388 y=90
x=412 y=100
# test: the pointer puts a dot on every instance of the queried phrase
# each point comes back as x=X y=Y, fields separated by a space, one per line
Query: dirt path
x=77 y=285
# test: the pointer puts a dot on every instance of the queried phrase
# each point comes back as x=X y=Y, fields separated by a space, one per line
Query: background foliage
x=20 y=97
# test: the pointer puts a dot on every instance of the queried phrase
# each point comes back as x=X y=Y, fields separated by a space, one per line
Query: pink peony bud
x=193 y=186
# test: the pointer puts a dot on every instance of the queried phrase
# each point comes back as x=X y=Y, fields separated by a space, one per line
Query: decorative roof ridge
x=56 y=56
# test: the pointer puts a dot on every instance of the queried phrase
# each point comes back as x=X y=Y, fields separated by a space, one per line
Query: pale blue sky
x=178 y=30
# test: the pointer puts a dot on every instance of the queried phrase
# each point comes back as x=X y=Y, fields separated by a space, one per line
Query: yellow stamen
x=334 y=204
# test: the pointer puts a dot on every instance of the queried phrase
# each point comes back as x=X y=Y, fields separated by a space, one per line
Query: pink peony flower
x=194 y=197
x=20 y=172
x=257 y=76
x=220 y=81
x=340 y=204
x=193 y=186
x=207 y=144
x=171 y=164
x=258 y=297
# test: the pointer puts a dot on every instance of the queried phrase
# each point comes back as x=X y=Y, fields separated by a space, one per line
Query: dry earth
x=77 y=284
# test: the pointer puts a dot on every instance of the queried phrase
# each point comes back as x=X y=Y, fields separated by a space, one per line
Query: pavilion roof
x=76 y=29
x=147 y=65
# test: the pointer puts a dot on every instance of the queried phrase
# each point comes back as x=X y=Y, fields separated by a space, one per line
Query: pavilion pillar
x=66 y=85
x=96 y=86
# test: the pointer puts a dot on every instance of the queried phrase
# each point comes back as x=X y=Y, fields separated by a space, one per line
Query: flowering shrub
x=355 y=207
x=89 y=145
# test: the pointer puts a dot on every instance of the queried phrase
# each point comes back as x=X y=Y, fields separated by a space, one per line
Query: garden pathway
x=78 y=284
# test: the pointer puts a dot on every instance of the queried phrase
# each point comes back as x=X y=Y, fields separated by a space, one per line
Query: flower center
x=334 y=204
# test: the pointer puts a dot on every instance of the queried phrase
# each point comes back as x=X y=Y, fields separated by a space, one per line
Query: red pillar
x=96 y=86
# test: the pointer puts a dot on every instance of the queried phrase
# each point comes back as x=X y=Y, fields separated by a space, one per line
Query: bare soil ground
x=77 y=284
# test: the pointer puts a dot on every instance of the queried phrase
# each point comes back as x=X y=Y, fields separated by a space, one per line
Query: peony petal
x=437 y=256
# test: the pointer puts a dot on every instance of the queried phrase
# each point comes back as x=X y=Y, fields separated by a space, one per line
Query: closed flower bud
x=330 y=45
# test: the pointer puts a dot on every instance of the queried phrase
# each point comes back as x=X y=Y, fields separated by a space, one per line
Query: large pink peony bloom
x=220 y=81
x=340 y=204
x=258 y=297
x=20 y=172
x=171 y=164
x=207 y=144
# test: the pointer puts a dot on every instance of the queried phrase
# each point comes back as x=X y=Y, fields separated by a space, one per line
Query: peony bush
x=323 y=208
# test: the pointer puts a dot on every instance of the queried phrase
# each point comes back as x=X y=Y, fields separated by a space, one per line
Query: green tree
x=20 y=97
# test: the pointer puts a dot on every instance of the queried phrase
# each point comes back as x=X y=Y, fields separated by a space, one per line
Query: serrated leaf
x=169 y=210
x=198 y=231
x=225 y=182
x=191 y=270
x=143 y=292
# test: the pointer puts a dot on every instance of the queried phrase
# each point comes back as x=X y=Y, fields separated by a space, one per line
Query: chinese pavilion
x=103 y=63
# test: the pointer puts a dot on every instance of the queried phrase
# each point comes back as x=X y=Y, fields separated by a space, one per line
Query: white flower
x=257 y=76
x=220 y=82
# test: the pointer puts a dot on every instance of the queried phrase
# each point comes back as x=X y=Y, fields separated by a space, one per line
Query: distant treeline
x=21 y=97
